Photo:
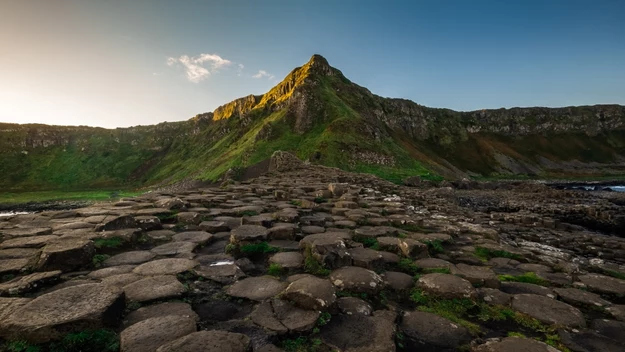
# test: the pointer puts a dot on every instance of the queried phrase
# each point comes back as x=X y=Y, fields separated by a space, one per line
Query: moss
x=408 y=266
x=255 y=248
x=275 y=269
x=528 y=277
x=111 y=242
x=435 y=247
x=312 y=266
x=99 y=259
x=369 y=242
x=456 y=310
x=102 y=340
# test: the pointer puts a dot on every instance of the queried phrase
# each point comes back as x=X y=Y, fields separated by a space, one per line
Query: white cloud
x=263 y=73
x=198 y=68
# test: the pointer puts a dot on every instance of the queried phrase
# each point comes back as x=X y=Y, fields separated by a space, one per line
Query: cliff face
x=320 y=115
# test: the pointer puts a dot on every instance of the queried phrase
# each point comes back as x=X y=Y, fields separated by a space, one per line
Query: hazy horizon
x=125 y=63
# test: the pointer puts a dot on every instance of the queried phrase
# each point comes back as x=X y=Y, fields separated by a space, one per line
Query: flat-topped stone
x=132 y=257
x=224 y=273
x=248 y=233
x=581 y=298
x=446 y=286
x=27 y=283
x=159 y=310
x=256 y=288
x=66 y=255
x=357 y=280
x=150 y=334
x=174 y=248
x=26 y=231
x=476 y=275
x=422 y=328
x=209 y=341
x=514 y=344
x=153 y=288
x=603 y=284
x=51 y=316
x=288 y=260
x=548 y=310
x=311 y=292
x=168 y=266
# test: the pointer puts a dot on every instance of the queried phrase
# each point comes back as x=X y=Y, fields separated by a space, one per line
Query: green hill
x=321 y=116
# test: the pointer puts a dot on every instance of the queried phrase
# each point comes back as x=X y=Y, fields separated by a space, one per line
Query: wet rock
x=51 y=316
x=209 y=341
x=153 y=288
x=66 y=255
x=150 y=334
x=421 y=328
x=446 y=286
x=311 y=292
x=256 y=288
x=548 y=310
x=169 y=266
x=357 y=280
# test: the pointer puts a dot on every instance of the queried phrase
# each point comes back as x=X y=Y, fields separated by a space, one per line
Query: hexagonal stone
x=514 y=344
x=446 y=286
x=51 y=316
x=282 y=317
x=9 y=305
x=256 y=288
x=548 y=310
x=160 y=235
x=66 y=255
x=121 y=280
x=248 y=233
x=150 y=334
x=174 y=248
x=603 y=284
x=514 y=288
x=288 y=260
x=353 y=305
x=422 y=328
x=493 y=296
x=189 y=218
x=168 y=266
x=226 y=273
x=581 y=298
x=159 y=310
x=357 y=280
x=433 y=263
x=153 y=288
x=133 y=257
x=617 y=312
x=477 y=275
x=148 y=222
x=214 y=226
x=111 y=223
x=398 y=281
x=27 y=283
x=310 y=292
x=209 y=341
x=199 y=237
x=360 y=333
x=28 y=242
x=366 y=258
x=26 y=232
x=114 y=270
x=13 y=265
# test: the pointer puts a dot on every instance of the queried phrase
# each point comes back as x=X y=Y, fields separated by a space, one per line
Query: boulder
x=353 y=305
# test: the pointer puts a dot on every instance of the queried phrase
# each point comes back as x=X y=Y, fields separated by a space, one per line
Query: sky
x=118 y=63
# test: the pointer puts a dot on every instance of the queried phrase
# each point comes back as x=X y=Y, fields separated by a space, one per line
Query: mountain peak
x=319 y=64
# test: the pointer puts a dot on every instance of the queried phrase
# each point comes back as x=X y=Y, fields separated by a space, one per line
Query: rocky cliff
x=317 y=113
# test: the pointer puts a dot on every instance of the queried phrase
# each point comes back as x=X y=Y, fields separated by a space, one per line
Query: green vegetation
x=368 y=242
x=435 y=247
x=616 y=274
x=168 y=217
x=98 y=259
x=111 y=242
x=301 y=344
x=44 y=196
x=101 y=340
x=486 y=254
x=436 y=270
x=412 y=228
x=455 y=310
x=312 y=266
x=255 y=248
x=515 y=334
x=529 y=277
x=248 y=213
x=408 y=266
x=275 y=269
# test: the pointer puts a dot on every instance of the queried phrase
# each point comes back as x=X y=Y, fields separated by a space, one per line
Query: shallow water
x=10 y=213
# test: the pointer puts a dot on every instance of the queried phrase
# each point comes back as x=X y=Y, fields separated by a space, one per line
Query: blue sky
x=116 y=63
